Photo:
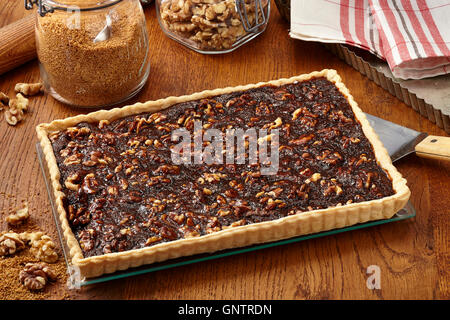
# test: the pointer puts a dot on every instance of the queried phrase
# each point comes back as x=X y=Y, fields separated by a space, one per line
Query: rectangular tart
x=123 y=202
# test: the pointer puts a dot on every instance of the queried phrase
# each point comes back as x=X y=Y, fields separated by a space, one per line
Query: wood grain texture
x=413 y=255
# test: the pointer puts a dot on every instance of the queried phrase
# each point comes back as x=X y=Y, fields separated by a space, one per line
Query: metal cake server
x=401 y=141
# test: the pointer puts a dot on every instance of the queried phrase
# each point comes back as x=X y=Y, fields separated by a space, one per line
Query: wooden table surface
x=413 y=255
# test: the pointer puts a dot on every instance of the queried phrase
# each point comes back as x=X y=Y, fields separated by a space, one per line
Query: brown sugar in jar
x=82 y=65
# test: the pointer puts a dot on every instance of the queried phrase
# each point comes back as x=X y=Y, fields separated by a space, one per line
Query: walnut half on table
x=4 y=100
x=17 y=108
x=10 y=243
x=36 y=275
x=19 y=216
x=42 y=247
x=29 y=89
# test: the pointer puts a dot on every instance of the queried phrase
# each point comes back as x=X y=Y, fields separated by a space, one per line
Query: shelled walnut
x=36 y=275
x=19 y=217
x=42 y=247
x=30 y=237
x=208 y=24
x=29 y=89
x=16 y=110
x=4 y=100
x=10 y=243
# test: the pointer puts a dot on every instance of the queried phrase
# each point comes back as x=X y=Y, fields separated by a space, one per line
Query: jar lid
x=47 y=6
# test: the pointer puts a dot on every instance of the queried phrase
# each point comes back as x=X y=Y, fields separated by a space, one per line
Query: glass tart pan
x=76 y=280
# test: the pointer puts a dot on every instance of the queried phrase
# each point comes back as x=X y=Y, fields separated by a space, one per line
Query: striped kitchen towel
x=413 y=36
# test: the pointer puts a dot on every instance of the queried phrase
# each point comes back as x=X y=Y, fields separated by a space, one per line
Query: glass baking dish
x=76 y=280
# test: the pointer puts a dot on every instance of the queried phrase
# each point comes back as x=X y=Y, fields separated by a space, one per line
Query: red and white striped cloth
x=413 y=36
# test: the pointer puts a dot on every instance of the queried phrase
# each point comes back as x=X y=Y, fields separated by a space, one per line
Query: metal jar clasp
x=43 y=9
x=260 y=20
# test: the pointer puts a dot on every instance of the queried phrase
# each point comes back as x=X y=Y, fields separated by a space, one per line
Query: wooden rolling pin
x=17 y=43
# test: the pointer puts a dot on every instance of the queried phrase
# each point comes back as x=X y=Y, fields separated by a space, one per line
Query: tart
x=123 y=200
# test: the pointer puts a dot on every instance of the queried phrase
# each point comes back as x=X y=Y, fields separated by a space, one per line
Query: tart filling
x=122 y=192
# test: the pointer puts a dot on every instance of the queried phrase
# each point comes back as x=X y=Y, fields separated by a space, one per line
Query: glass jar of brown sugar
x=92 y=53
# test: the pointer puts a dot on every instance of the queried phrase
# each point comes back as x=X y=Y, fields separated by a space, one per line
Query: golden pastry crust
x=287 y=227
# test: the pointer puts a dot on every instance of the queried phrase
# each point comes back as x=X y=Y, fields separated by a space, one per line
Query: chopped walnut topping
x=129 y=170
x=211 y=177
x=76 y=132
x=70 y=182
x=36 y=275
x=102 y=123
x=302 y=139
x=238 y=223
x=296 y=113
x=277 y=123
x=113 y=190
x=152 y=240
x=333 y=188
x=315 y=177
x=267 y=138
x=192 y=234
x=73 y=159
x=223 y=212
x=207 y=191
x=179 y=218
x=125 y=231
x=124 y=184
x=275 y=192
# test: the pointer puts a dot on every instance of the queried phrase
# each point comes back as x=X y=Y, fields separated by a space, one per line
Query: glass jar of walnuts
x=213 y=26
